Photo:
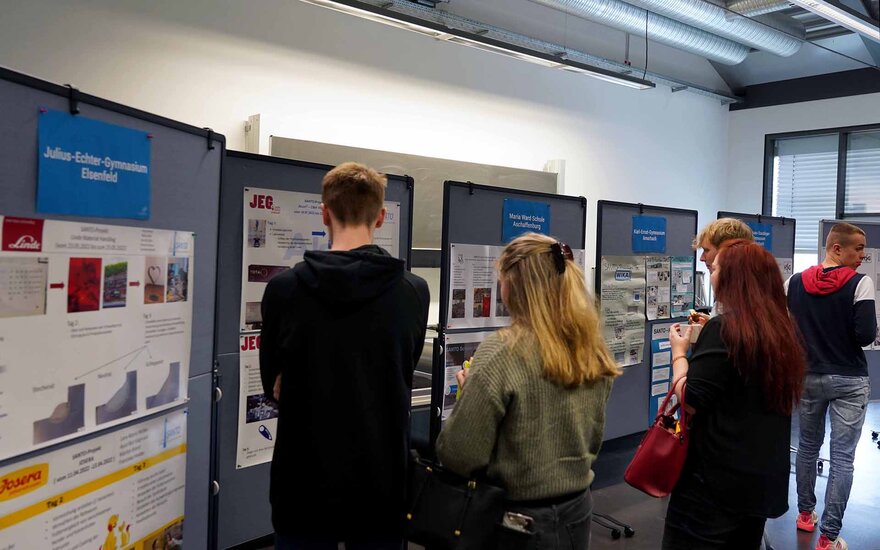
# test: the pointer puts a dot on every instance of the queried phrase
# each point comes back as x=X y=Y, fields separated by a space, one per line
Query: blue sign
x=91 y=168
x=763 y=233
x=649 y=234
x=524 y=217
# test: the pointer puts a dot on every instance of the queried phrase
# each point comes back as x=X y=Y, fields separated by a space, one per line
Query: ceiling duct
x=631 y=19
x=751 y=8
x=717 y=20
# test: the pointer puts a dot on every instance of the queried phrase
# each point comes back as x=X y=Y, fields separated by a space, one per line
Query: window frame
x=843 y=133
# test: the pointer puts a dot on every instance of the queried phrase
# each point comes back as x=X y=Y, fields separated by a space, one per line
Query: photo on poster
x=482 y=302
x=170 y=538
x=66 y=418
x=253 y=316
x=23 y=283
x=178 y=279
x=115 y=283
x=84 y=285
x=458 y=299
x=501 y=309
x=260 y=408
x=256 y=233
x=154 y=280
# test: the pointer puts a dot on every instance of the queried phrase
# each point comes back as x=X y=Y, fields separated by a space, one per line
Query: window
x=830 y=174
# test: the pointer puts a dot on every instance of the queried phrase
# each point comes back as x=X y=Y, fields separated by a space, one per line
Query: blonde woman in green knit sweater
x=532 y=406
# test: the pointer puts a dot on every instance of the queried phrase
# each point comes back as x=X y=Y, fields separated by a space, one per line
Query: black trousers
x=695 y=522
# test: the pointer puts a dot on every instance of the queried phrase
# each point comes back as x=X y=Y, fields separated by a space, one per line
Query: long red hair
x=762 y=339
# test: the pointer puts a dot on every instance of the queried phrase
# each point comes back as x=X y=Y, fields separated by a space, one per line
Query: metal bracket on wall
x=210 y=138
x=72 y=99
x=215 y=488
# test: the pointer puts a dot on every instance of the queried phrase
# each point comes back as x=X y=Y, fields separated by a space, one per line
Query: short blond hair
x=842 y=233
x=723 y=229
x=354 y=193
x=555 y=309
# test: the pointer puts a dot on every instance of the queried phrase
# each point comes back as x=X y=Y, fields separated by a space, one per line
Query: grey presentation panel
x=185 y=196
x=872 y=237
x=243 y=512
x=473 y=214
x=627 y=408
x=783 y=231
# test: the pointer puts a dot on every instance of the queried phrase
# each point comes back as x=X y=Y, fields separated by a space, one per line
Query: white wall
x=318 y=75
x=745 y=174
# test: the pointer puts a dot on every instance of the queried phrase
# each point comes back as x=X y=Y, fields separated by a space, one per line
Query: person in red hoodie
x=834 y=309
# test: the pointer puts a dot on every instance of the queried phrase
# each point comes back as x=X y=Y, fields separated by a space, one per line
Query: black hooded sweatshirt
x=345 y=330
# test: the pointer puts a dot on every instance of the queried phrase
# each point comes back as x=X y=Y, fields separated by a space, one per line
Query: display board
x=870 y=268
x=184 y=196
x=774 y=233
x=645 y=278
x=478 y=221
x=271 y=203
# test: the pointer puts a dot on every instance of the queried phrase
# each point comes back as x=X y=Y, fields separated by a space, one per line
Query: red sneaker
x=824 y=543
x=806 y=521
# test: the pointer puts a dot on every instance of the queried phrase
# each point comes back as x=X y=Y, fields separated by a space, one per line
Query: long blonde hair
x=555 y=309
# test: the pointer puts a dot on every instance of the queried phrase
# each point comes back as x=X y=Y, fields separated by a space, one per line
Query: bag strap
x=472 y=488
x=429 y=470
x=680 y=406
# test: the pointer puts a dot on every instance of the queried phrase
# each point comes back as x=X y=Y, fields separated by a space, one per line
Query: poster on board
x=682 y=285
x=124 y=489
x=95 y=327
x=869 y=268
x=279 y=227
x=622 y=294
x=460 y=347
x=257 y=413
x=658 y=296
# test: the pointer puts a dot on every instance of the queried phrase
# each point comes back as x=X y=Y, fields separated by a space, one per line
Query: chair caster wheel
x=875 y=435
x=628 y=532
x=820 y=466
x=615 y=534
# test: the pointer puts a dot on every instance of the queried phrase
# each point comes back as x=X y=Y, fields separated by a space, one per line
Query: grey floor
x=861 y=525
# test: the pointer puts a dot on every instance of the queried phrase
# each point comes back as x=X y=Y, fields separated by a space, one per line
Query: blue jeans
x=565 y=525
x=847 y=399
x=296 y=543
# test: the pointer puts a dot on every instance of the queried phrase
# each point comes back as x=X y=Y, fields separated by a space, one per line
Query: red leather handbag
x=658 y=461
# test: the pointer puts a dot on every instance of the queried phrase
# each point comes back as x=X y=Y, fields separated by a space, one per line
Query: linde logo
x=22 y=235
x=25 y=242
x=23 y=481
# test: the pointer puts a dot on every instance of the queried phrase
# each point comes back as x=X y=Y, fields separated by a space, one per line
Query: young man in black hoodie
x=834 y=308
x=342 y=333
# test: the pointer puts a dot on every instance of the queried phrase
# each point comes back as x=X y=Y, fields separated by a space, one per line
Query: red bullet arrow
x=134 y=283
x=56 y=285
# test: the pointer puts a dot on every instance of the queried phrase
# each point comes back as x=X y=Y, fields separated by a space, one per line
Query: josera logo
x=20 y=482
x=622 y=275
x=22 y=235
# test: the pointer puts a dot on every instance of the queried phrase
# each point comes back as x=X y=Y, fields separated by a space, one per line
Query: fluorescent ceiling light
x=440 y=32
x=843 y=16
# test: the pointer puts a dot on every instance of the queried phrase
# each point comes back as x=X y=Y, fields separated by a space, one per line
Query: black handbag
x=447 y=511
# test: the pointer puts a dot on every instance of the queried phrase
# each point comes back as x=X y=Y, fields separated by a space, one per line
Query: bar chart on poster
x=115 y=303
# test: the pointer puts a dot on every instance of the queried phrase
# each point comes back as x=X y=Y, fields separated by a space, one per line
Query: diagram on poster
x=623 y=307
x=460 y=347
x=658 y=287
x=279 y=227
x=786 y=267
x=95 y=327
x=120 y=490
x=257 y=413
x=682 y=285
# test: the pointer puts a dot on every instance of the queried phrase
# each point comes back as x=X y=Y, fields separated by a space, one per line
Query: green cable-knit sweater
x=537 y=438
